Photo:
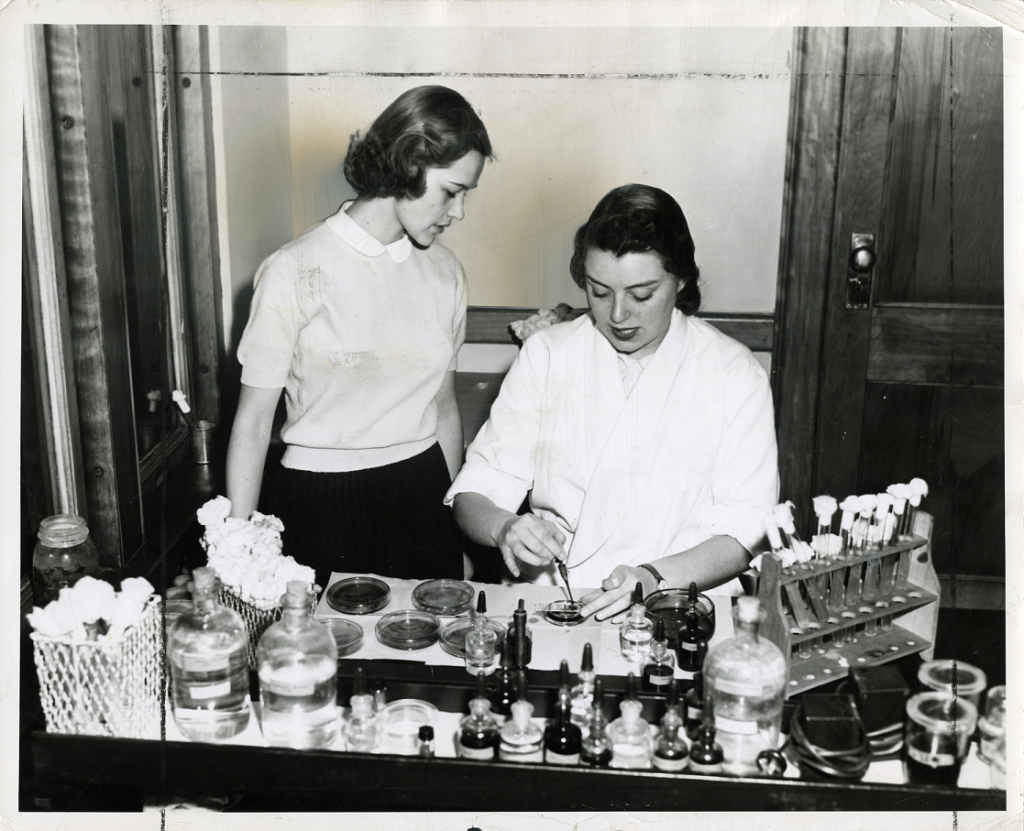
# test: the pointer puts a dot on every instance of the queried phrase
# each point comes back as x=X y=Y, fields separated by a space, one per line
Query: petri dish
x=453 y=635
x=400 y=723
x=564 y=613
x=348 y=635
x=443 y=596
x=408 y=629
x=954 y=677
x=358 y=595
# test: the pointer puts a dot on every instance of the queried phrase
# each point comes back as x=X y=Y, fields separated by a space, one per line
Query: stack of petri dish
x=443 y=597
x=408 y=629
x=400 y=723
x=358 y=595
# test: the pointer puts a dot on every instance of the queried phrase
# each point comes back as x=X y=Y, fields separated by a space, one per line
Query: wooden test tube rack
x=869 y=607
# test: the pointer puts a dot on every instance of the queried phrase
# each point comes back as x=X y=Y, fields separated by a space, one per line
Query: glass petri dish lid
x=408 y=629
x=358 y=595
x=443 y=596
x=453 y=635
x=953 y=677
x=348 y=635
x=400 y=723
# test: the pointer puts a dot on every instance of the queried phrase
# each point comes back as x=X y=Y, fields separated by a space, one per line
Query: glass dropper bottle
x=597 y=747
x=581 y=696
x=481 y=641
x=660 y=666
x=670 y=753
x=562 y=738
x=630 y=735
x=521 y=739
x=637 y=631
x=478 y=732
x=507 y=691
x=361 y=731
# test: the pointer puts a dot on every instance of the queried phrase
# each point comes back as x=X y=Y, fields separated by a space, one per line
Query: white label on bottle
x=210 y=690
x=736 y=687
x=212 y=663
x=933 y=760
x=740 y=728
x=689 y=647
x=659 y=680
x=561 y=758
x=476 y=752
x=694 y=713
x=696 y=767
x=293 y=690
x=671 y=765
x=532 y=756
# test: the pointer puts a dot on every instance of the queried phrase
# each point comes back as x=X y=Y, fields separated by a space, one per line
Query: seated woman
x=643 y=436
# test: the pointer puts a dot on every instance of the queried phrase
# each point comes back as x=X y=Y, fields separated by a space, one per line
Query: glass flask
x=481 y=641
x=670 y=752
x=660 y=666
x=361 y=731
x=744 y=686
x=637 y=631
x=478 y=732
x=629 y=734
x=63 y=556
x=581 y=696
x=297 y=662
x=521 y=739
x=596 y=749
x=208 y=650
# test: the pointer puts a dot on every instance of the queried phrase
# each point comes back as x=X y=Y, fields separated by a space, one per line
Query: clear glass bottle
x=562 y=738
x=596 y=749
x=64 y=555
x=581 y=696
x=692 y=639
x=379 y=691
x=660 y=666
x=744 y=686
x=478 y=732
x=629 y=734
x=297 y=661
x=361 y=732
x=521 y=739
x=208 y=650
x=520 y=638
x=507 y=691
x=481 y=641
x=637 y=631
x=693 y=707
x=670 y=752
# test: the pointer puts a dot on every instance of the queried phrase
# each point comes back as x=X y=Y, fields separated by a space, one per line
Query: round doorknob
x=862 y=260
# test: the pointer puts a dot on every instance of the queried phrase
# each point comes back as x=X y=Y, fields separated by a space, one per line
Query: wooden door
x=897 y=135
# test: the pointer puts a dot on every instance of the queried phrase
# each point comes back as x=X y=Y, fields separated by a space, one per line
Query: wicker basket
x=97 y=689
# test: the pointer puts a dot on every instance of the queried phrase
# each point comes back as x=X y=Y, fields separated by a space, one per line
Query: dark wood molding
x=904 y=340
x=189 y=89
x=96 y=288
x=970 y=591
x=490 y=324
x=804 y=253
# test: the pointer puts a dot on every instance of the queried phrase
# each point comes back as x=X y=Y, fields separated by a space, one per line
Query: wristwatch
x=662 y=584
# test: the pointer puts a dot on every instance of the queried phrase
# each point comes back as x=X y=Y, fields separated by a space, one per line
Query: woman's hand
x=530 y=539
x=614 y=598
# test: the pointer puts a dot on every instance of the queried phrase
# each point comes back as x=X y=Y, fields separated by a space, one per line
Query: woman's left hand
x=615 y=596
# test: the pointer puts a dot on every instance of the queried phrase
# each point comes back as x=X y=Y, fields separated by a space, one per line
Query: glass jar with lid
x=63 y=556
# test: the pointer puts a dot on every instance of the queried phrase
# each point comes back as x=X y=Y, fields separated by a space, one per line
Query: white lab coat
x=690 y=454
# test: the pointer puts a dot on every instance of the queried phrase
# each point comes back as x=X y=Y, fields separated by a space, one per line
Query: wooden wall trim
x=490 y=324
x=96 y=291
x=46 y=292
x=804 y=253
x=903 y=348
x=199 y=214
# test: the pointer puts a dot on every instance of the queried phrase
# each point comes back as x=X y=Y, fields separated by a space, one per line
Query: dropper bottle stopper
x=659 y=630
x=563 y=675
x=587 y=664
x=638 y=594
x=481 y=602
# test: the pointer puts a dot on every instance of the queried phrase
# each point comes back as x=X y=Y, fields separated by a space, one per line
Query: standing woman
x=359 y=321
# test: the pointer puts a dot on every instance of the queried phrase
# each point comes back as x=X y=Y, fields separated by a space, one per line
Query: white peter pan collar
x=356 y=236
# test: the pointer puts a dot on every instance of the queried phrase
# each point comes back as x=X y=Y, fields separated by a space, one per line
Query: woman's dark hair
x=637 y=219
x=428 y=126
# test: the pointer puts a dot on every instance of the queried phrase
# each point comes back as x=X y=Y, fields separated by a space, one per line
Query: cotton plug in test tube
x=186 y=410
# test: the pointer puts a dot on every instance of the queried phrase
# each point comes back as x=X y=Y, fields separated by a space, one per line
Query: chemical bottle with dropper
x=478 y=731
x=562 y=738
x=361 y=732
x=670 y=752
x=596 y=749
x=630 y=735
x=520 y=638
x=521 y=739
x=637 y=631
x=660 y=666
x=582 y=694
x=507 y=691
x=481 y=641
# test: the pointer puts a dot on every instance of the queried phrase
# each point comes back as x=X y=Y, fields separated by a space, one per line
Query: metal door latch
x=858 y=273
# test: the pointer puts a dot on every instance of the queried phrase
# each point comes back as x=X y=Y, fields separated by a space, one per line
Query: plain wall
x=572 y=113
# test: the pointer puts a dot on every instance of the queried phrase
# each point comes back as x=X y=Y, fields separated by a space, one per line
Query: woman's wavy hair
x=637 y=219
x=429 y=126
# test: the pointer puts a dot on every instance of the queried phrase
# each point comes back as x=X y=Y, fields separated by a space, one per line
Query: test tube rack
x=866 y=608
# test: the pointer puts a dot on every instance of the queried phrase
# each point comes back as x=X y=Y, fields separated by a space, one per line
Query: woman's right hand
x=530 y=539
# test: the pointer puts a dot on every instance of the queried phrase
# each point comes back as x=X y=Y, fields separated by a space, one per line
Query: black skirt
x=388 y=520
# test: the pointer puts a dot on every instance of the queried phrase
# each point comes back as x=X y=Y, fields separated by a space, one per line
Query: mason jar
x=63 y=556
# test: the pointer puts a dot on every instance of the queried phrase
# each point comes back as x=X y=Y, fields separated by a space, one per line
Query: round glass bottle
x=208 y=650
x=298 y=667
x=744 y=686
x=63 y=556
